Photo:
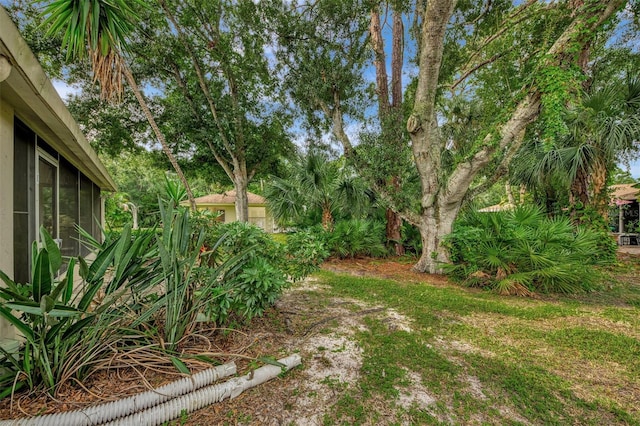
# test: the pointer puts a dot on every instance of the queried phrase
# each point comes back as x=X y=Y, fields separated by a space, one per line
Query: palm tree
x=99 y=29
x=603 y=127
x=315 y=182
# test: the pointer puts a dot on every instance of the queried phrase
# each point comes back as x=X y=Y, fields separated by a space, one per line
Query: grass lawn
x=473 y=357
x=382 y=345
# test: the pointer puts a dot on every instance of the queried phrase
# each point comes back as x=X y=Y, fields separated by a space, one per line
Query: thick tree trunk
x=434 y=226
x=156 y=130
x=240 y=183
x=422 y=126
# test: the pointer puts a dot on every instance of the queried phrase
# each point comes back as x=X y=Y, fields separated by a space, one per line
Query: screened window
x=23 y=201
x=49 y=191
x=69 y=209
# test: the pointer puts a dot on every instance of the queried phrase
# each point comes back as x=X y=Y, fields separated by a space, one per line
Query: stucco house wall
x=259 y=215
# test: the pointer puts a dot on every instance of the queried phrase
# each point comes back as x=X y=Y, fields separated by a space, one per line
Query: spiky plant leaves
x=511 y=251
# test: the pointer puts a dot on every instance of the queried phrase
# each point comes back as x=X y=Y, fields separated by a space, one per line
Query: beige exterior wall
x=6 y=200
x=258 y=215
x=257 y=212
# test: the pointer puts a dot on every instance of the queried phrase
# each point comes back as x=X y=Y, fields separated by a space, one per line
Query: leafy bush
x=522 y=251
x=607 y=248
x=266 y=267
x=67 y=328
x=357 y=237
x=249 y=290
x=305 y=252
x=411 y=238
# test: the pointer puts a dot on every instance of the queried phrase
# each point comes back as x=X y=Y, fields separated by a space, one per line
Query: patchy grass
x=473 y=357
x=408 y=348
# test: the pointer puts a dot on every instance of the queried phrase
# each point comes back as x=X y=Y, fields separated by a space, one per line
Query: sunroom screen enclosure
x=48 y=191
x=49 y=175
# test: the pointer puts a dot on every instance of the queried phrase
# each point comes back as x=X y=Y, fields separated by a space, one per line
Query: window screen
x=69 y=209
x=23 y=200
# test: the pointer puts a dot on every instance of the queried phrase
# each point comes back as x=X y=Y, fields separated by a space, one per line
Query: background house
x=49 y=175
x=625 y=198
x=225 y=204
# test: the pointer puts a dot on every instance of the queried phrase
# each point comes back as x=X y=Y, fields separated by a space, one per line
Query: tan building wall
x=258 y=215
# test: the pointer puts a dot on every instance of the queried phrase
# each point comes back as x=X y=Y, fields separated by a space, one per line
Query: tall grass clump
x=522 y=251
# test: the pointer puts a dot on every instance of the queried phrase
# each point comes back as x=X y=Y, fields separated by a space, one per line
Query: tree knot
x=413 y=124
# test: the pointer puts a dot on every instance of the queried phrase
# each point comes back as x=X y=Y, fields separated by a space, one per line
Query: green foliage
x=178 y=257
x=357 y=237
x=411 y=238
x=174 y=190
x=557 y=86
x=249 y=290
x=305 y=251
x=316 y=183
x=523 y=251
x=66 y=328
x=605 y=246
x=96 y=26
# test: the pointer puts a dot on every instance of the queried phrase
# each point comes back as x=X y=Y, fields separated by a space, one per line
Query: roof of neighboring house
x=229 y=197
x=625 y=191
x=36 y=102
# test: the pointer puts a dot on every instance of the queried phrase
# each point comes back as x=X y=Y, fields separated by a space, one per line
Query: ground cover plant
x=524 y=251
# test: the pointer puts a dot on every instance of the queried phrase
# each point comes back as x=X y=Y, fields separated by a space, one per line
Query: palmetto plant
x=601 y=128
x=522 y=251
x=357 y=237
x=316 y=182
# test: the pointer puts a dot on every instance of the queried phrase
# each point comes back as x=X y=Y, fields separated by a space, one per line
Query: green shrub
x=411 y=238
x=607 y=248
x=305 y=252
x=357 y=237
x=66 y=328
x=522 y=251
x=248 y=290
